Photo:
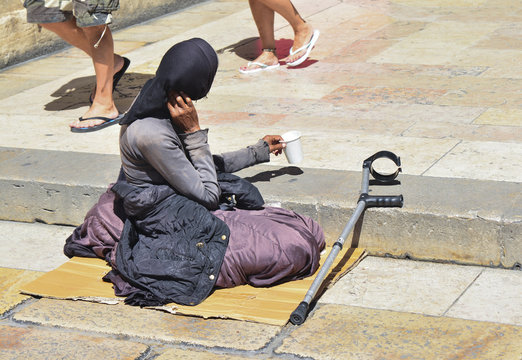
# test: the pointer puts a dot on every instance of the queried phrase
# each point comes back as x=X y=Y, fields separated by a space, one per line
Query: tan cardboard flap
x=81 y=278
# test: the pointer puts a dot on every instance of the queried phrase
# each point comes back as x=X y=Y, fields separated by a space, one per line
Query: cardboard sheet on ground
x=81 y=279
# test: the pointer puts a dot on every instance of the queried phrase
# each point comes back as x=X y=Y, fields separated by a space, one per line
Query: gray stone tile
x=52 y=132
x=34 y=343
x=481 y=161
x=189 y=354
x=155 y=325
x=11 y=280
x=34 y=246
x=495 y=296
x=402 y=285
x=346 y=332
x=11 y=85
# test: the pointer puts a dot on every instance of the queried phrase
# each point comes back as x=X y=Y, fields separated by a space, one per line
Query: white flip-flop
x=308 y=47
x=261 y=67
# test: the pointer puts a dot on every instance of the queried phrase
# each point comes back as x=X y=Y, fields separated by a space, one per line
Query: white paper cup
x=293 y=150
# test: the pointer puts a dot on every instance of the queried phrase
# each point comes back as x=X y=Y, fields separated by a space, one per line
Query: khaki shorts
x=86 y=12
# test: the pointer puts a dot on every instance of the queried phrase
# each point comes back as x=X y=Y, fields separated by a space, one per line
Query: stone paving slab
x=463 y=292
x=14 y=84
x=508 y=117
x=491 y=154
x=359 y=333
x=11 y=280
x=147 y=324
x=403 y=286
x=32 y=246
x=28 y=343
x=495 y=296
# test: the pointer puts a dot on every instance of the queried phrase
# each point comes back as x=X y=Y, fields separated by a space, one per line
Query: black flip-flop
x=107 y=122
x=116 y=78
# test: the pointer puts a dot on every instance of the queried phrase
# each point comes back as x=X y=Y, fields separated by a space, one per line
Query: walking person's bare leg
x=74 y=35
x=264 y=19
x=302 y=30
x=71 y=33
x=105 y=62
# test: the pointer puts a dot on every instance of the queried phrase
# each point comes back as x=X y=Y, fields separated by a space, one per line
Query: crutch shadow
x=356 y=233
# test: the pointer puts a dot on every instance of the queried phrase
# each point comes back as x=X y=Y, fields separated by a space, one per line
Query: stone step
x=443 y=219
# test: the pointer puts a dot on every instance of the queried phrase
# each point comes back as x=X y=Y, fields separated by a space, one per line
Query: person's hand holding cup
x=275 y=144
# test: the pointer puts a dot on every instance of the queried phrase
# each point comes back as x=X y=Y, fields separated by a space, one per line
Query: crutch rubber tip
x=299 y=315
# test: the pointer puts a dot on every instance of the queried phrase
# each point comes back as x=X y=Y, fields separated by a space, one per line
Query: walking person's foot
x=96 y=118
x=267 y=60
x=304 y=41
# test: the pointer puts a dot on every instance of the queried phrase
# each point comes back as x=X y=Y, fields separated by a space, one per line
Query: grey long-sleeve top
x=153 y=153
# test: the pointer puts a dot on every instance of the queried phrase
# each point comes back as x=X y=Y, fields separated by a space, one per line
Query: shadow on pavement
x=266 y=176
x=75 y=93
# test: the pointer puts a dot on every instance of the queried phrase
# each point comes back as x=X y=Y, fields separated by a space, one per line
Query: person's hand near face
x=182 y=112
x=275 y=143
x=185 y=119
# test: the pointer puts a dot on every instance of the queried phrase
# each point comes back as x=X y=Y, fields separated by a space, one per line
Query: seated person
x=177 y=243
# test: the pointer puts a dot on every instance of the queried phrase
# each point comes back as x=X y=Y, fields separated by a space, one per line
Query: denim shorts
x=86 y=12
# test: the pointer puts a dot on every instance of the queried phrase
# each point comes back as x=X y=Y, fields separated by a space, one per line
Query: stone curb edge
x=443 y=219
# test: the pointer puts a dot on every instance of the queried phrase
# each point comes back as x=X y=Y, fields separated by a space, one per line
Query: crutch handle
x=382 y=201
x=299 y=315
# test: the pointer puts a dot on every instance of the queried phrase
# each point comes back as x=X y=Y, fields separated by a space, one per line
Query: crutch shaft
x=299 y=314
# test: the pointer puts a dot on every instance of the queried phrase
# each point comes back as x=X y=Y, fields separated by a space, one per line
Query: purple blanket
x=266 y=246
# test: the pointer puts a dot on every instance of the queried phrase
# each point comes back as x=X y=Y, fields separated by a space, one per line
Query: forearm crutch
x=365 y=201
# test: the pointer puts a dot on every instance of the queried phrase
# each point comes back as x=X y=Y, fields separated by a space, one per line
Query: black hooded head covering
x=188 y=66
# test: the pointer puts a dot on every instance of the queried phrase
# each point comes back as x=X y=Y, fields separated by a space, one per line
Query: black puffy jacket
x=171 y=247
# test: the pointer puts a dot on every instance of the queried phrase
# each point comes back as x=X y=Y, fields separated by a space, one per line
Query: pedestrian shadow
x=250 y=48
x=75 y=94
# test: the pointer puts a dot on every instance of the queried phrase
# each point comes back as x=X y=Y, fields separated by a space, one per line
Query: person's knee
x=95 y=33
